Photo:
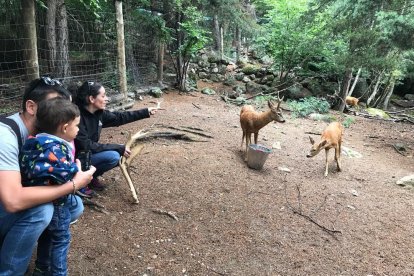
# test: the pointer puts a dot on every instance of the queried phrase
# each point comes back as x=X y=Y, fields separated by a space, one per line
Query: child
x=47 y=159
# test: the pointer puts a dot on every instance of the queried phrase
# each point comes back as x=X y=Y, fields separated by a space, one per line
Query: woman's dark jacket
x=91 y=124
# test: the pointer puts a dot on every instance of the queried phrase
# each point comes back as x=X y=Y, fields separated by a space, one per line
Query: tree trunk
x=389 y=94
x=30 y=39
x=180 y=60
x=62 y=57
x=221 y=43
x=51 y=35
x=238 y=43
x=374 y=93
x=355 y=82
x=121 y=48
x=344 y=90
x=216 y=33
x=160 y=72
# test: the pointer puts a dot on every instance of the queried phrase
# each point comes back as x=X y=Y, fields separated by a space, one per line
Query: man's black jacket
x=90 y=127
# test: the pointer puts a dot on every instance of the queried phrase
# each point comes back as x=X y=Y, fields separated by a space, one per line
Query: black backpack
x=11 y=123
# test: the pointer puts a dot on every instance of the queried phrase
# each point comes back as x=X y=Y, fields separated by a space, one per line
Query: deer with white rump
x=331 y=138
x=252 y=121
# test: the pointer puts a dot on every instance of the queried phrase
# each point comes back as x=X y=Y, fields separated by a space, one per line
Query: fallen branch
x=163 y=212
x=299 y=212
x=400 y=111
x=196 y=106
x=314 y=133
x=137 y=141
x=95 y=205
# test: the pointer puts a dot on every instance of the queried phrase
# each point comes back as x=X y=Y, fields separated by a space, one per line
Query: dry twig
x=196 y=106
x=95 y=205
x=163 y=212
x=299 y=211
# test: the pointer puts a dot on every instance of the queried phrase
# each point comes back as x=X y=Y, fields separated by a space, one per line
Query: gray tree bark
x=62 y=54
x=121 y=48
x=30 y=39
x=51 y=34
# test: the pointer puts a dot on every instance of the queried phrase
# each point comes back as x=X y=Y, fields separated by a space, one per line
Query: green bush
x=306 y=106
x=348 y=121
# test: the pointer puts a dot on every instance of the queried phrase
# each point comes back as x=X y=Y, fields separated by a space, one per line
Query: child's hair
x=54 y=112
x=88 y=88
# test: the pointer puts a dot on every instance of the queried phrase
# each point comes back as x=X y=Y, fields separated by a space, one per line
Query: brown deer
x=331 y=138
x=352 y=101
x=252 y=121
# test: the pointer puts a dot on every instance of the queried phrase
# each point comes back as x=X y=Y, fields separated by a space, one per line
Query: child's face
x=70 y=130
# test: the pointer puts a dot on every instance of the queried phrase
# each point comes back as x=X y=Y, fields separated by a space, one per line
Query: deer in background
x=351 y=101
x=331 y=138
x=252 y=121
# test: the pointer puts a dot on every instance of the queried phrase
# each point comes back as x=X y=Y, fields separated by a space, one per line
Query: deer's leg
x=256 y=135
x=338 y=156
x=244 y=134
x=326 y=162
x=248 y=141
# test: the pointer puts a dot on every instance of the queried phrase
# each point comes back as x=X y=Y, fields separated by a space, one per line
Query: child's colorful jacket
x=46 y=160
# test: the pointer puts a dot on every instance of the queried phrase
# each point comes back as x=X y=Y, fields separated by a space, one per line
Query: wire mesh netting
x=90 y=52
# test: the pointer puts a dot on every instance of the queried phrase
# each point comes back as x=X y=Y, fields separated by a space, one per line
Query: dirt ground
x=233 y=220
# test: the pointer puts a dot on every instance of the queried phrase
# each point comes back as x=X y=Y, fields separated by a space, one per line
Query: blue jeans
x=54 y=242
x=104 y=161
x=19 y=233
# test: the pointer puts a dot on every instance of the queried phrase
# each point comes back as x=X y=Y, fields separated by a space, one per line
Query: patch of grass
x=306 y=106
x=348 y=121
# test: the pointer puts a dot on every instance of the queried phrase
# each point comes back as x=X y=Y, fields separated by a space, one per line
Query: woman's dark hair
x=54 y=112
x=40 y=88
x=88 y=88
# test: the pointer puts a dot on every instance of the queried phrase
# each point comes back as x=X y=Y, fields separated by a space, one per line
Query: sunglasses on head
x=90 y=83
x=49 y=81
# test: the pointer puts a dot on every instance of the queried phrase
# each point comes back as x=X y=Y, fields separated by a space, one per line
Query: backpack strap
x=11 y=123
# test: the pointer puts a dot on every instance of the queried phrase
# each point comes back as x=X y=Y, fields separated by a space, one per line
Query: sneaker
x=85 y=192
x=96 y=185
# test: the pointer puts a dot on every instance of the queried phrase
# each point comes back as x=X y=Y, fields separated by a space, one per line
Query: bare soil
x=233 y=220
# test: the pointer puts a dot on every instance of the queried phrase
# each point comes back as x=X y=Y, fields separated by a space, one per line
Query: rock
x=284 y=169
x=156 y=92
x=406 y=180
x=322 y=117
x=409 y=97
x=246 y=79
x=276 y=145
x=208 y=91
x=350 y=153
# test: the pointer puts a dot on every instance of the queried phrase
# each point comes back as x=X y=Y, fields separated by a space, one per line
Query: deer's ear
x=311 y=140
x=323 y=143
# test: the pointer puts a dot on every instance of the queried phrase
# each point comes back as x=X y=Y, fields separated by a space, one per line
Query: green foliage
x=348 y=121
x=195 y=35
x=306 y=106
x=260 y=100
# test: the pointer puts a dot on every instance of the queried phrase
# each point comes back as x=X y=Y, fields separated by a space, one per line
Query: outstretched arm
x=14 y=197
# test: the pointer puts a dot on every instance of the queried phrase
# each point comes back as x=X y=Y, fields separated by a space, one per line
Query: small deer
x=331 y=138
x=252 y=121
x=352 y=101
